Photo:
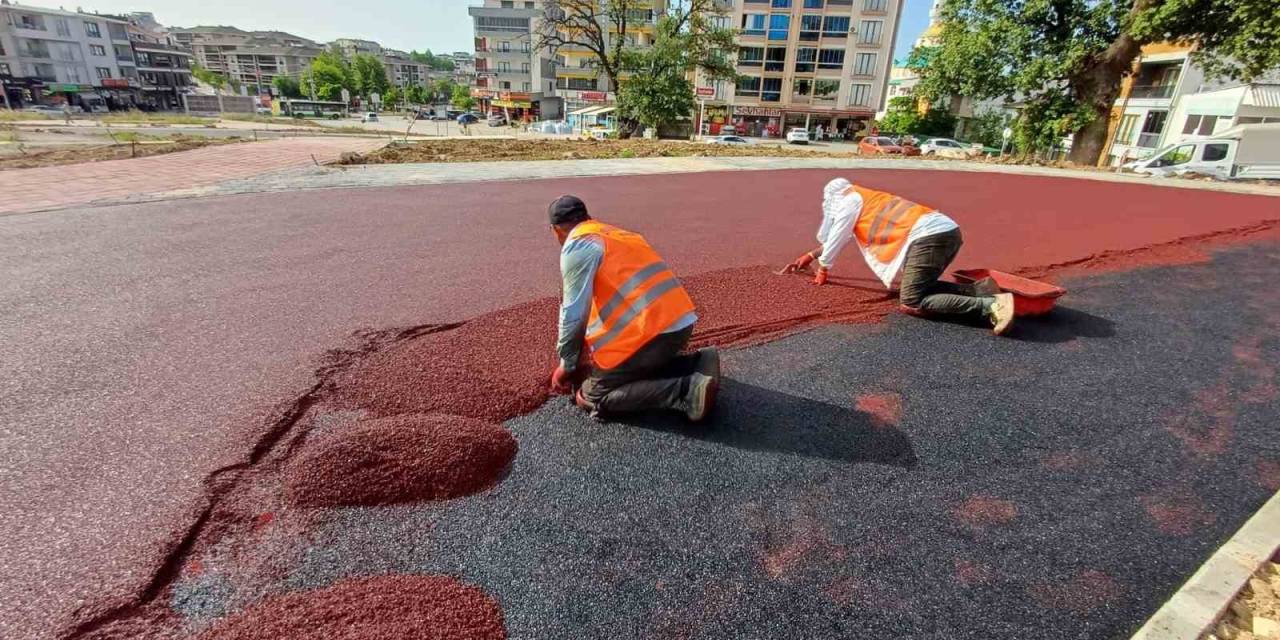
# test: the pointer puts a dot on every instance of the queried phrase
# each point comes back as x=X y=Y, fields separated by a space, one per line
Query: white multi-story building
x=804 y=63
x=164 y=68
x=53 y=56
x=251 y=58
x=509 y=73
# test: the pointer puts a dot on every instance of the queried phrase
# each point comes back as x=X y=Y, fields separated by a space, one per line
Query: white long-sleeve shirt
x=841 y=213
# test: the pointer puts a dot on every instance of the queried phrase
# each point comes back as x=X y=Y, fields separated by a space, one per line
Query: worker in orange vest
x=628 y=307
x=898 y=236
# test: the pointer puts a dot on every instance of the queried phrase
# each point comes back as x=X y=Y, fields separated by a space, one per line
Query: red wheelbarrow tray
x=1030 y=297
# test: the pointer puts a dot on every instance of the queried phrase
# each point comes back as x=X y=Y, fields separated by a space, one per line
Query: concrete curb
x=1193 y=609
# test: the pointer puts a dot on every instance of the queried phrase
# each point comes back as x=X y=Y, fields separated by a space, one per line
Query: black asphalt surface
x=1058 y=484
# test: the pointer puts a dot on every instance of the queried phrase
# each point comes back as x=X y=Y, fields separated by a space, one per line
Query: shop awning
x=585 y=111
x=90 y=96
x=604 y=110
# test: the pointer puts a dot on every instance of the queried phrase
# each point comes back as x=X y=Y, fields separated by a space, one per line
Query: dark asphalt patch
x=1061 y=483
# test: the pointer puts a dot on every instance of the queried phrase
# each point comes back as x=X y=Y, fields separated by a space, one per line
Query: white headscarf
x=832 y=194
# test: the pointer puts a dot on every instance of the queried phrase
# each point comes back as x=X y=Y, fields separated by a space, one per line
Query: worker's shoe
x=583 y=403
x=709 y=362
x=986 y=287
x=701 y=397
x=1001 y=313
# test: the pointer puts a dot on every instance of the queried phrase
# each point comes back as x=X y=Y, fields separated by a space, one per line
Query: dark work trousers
x=927 y=259
x=655 y=377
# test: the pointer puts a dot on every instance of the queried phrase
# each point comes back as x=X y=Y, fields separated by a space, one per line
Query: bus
x=296 y=108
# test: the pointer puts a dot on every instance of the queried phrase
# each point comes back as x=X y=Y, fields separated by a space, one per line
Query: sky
x=438 y=25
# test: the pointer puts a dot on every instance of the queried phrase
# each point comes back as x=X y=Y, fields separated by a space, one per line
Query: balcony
x=1148 y=140
x=1152 y=91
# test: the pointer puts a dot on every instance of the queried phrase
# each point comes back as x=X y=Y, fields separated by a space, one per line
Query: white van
x=1243 y=152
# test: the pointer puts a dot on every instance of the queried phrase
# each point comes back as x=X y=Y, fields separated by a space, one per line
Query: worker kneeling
x=897 y=235
x=629 y=308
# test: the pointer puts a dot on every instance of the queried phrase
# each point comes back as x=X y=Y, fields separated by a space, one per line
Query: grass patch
x=14 y=116
x=482 y=150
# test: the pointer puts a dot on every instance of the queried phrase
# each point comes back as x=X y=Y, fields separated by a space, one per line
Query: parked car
x=948 y=148
x=47 y=109
x=468 y=118
x=908 y=145
x=724 y=140
x=497 y=120
x=263 y=111
x=369 y=116
x=728 y=130
x=797 y=135
x=1247 y=151
x=878 y=145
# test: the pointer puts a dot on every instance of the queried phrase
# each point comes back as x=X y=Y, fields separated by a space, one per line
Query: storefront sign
x=70 y=88
x=115 y=83
x=767 y=112
x=594 y=96
x=706 y=92
x=481 y=93
x=515 y=96
x=513 y=104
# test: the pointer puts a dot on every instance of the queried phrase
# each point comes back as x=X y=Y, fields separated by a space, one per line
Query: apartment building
x=52 y=56
x=402 y=71
x=164 y=68
x=808 y=62
x=251 y=58
x=578 y=80
x=509 y=73
x=464 y=66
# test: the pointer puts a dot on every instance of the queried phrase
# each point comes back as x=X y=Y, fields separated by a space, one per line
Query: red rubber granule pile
x=383 y=607
x=400 y=459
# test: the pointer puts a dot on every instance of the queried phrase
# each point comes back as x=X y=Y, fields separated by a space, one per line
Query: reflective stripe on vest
x=634 y=296
x=885 y=222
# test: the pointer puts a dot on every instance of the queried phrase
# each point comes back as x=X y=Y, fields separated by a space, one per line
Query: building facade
x=55 y=57
x=804 y=63
x=164 y=68
x=580 y=82
x=509 y=74
x=251 y=58
x=402 y=70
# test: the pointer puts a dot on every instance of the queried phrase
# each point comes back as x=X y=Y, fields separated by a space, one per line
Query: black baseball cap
x=567 y=209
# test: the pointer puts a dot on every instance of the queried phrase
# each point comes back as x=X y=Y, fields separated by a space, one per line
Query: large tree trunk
x=1098 y=86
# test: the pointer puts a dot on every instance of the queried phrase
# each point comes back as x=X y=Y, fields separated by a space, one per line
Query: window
x=869 y=31
x=864 y=64
x=874 y=6
x=62 y=27
x=528 y=5
x=810 y=27
x=813 y=4
x=524 y=46
x=779 y=26
x=825 y=89
x=805 y=59
x=781 y=4
x=830 y=58
x=1201 y=125
x=748 y=85
x=753 y=24
x=92 y=30
x=97 y=50
x=524 y=67
x=506 y=85
x=30 y=22
x=504 y=46
x=1155 y=121
x=835 y=26
x=1215 y=152
x=103 y=72
x=1124 y=134
x=1178 y=155
x=527 y=87
x=772 y=90
x=776 y=59
x=860 y=95
x=508 y=4
x=504 y=67
x=751 y=56
x=802 y=87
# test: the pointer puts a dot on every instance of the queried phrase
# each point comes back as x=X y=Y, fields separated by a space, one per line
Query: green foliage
x=461 y=98
x=417 y=94
x=287 y=87
x=903 y=116
x=443 y=89
x=431 y=60
x=392 y=97
x=215 y=80
x=369 y=75
x=330 y=74
x=657 y=90
x=1064 y=59
x=988 y=128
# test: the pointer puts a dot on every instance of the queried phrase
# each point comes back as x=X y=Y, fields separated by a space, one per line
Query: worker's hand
x=561 y=381
x=799 y=264
x=821 y=278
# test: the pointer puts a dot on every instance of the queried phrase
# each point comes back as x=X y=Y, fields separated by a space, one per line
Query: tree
x=461 y=98
x=392 y=97
x=987 y=128
x=685 y=38
x=215 y=80
x=369 y=74
x=903 y=116
x=329 y=74
x=417 y=94
x=443 y=89
x=287 y=87
x=431 y=60
x=1064 y=59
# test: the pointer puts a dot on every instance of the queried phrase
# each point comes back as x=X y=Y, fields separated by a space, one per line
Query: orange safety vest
x=885 y=222
x=634 y=297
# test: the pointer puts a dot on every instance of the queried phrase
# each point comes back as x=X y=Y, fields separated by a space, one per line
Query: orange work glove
x=821 y=278
x=799 y=264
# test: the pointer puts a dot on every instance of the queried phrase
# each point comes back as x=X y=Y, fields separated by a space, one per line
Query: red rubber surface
x=146 y=345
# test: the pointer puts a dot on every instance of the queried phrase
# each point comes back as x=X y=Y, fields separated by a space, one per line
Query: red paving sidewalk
x=23 y=190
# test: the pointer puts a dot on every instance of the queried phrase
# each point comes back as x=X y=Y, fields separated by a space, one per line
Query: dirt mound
x=483 y=150
x=383 y=607
x=400 y=459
